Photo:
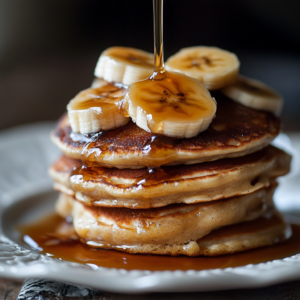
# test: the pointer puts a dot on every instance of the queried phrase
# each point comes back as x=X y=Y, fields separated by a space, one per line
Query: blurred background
x=48 y=49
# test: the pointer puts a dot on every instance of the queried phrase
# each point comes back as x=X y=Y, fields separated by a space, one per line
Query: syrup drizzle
x=169 y=103
x=166 y=174
x=173 y=97
x=93 y=149
x=158 y=149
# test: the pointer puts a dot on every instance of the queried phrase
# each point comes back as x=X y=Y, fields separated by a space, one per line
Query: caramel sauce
x=104 y=97
x=54 y=236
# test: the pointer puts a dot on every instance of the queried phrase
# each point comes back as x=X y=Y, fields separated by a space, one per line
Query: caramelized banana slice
x=97 y=109
x=98 y=82
x=214 y=67
x=124 y=65
x=254 y=94
x=177 y=106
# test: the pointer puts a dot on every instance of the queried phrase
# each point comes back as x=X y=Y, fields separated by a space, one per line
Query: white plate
x=26 y=192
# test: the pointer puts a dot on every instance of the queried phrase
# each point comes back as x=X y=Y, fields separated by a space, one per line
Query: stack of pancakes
x=133 y=191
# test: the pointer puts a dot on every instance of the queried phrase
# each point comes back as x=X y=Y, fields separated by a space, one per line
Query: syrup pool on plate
x=54 y=236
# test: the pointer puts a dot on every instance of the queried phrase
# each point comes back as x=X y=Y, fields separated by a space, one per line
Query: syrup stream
x=159 y=69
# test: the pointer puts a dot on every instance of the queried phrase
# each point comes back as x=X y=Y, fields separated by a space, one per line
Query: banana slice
x=254 y=94
x=177 y=106
x=98 y=82
x=124 y=65
x=214 y=67
x=97 y=109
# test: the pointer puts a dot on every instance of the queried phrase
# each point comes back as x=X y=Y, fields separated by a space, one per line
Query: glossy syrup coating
x=236 y=131
x=130 y=56
x=102 y=97
x=175 y=105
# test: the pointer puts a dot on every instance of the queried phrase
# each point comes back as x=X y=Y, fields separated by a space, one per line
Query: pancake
x=172 y=230
x=265 y=231
x=146 y=188
x=236 y=131
x=60 y=172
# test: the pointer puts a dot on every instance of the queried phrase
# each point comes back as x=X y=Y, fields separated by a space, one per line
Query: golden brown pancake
x=146 y=188
x=177 y=229
x=61 y=171
x=236 y=131
x=265 y=231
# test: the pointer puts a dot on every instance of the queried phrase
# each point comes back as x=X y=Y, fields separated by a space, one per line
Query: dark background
x=49 y=48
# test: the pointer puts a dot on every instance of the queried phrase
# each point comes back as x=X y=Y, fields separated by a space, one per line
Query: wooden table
x=34 y=289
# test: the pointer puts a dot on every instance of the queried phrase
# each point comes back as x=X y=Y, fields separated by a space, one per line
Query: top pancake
x=236 y=131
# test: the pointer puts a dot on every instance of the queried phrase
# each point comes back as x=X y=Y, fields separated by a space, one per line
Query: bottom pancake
x=264 y=231
x=176 y=229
